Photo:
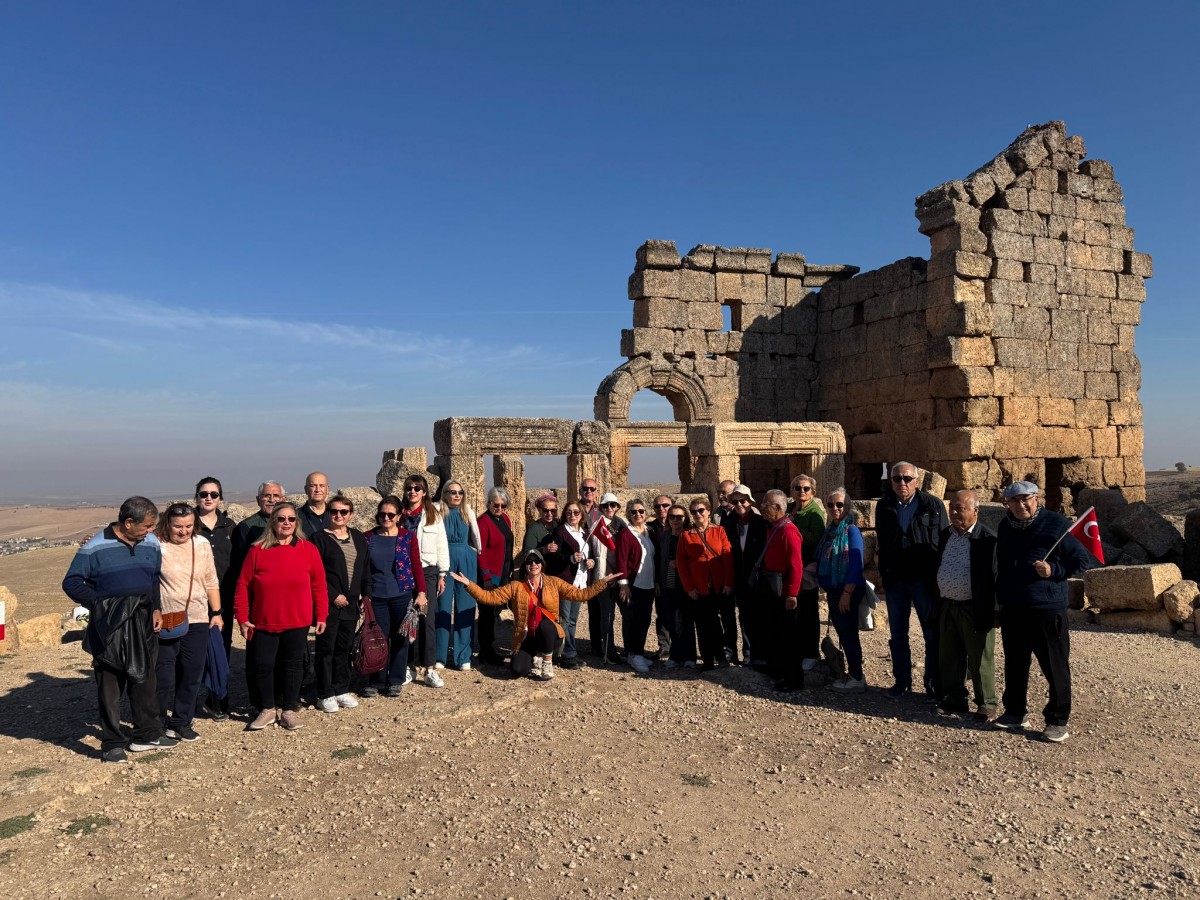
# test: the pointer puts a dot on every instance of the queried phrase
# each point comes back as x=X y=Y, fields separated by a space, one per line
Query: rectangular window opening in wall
x=870 y=480
x=653 y=469
x=544 y=473
x=731 y=315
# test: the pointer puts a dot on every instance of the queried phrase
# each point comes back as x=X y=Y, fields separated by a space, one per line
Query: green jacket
x=810 y=522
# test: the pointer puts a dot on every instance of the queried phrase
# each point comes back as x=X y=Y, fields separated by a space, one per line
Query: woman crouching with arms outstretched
x=534 y=601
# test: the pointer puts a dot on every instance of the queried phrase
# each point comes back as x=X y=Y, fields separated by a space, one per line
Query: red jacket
x=492 y=551
x=281 y=588
x=704 y=563
x=784 y=545
x=628 y=555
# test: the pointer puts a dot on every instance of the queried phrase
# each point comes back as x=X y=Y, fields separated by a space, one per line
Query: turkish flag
x=1087 y=531
x=603 y=535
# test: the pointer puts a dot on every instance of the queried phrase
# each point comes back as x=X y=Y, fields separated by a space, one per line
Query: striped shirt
x=108 y=567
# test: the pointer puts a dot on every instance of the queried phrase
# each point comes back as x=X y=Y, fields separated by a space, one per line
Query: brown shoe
x=291 y=720
x=265 y=719
x=983 y=714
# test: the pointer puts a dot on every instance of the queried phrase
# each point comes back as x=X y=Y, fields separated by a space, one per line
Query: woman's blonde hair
x=268 y=539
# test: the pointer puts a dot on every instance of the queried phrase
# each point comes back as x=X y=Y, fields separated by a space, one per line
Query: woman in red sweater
x=704 y=566
x=279 y=595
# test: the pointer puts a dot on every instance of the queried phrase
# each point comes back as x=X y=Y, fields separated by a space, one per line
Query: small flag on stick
x=1086 y=529
x=603 y=535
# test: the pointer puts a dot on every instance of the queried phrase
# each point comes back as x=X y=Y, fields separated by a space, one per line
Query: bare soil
x=54 y=523
x=1173 y=493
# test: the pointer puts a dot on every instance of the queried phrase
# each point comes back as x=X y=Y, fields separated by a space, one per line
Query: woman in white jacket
x=421 y=517
x=455 y=625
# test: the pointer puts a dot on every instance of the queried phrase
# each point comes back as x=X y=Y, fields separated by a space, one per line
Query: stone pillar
x=712 y=470
x=586 y=465
x=618 y=468
x=467 y=470
x=687 y=466
x=508 y=472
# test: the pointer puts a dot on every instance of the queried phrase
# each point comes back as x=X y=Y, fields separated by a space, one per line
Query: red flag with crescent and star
x=1087 y=531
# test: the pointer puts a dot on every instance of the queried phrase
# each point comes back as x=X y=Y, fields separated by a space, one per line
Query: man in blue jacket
x=1031 y=588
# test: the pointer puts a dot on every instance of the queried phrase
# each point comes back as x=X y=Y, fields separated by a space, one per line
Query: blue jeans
x=389 y=613
x=902 y=598
x=846 y=626
x=568 y=611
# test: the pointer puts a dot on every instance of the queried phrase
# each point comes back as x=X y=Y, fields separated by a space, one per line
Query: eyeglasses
x=533 y=562
x=339 y=512
x=270 y=496
x=414 y=487
x=675 y=518
x=699 y=512
x=802 y=489
x=662 y=505
x=180 y=509
x=905 y=478
x=385 y=515
x=208 y=495
x=454 y=493
x=637 y=512
x=836 y=505
x=498 y=505
x=287 y=519
x=588 y=490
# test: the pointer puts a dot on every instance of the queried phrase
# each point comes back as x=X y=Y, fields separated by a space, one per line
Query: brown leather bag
x=173 y=620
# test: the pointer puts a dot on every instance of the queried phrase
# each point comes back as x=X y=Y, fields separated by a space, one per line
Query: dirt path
x=604 y=784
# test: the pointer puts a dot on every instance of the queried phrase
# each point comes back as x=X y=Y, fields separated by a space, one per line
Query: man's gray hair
x=498 y=492
x=262 y=488
x=903 y=465
x=776 y=497
x=137 y=508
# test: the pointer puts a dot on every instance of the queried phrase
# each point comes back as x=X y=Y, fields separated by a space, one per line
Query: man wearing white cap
x=747 y=532
x=1031 y=590
x=602 y=608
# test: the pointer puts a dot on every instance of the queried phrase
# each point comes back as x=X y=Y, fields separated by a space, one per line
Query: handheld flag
x=1087 y=531
x=603 y=535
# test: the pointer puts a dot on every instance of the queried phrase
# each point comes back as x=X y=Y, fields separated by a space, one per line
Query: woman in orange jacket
x=704 y=564
x=534 y=601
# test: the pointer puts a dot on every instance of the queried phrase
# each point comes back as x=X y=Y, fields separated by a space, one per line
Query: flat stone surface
x=1130 y=587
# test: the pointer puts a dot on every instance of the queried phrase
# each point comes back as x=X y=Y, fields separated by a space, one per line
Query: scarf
x=412 y=520
x=1018 y=524
x=535 y=606
x=834 y=553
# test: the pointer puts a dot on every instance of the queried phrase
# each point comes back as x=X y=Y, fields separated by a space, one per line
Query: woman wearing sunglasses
x=808 y=515
x=280 y=593
x=190 y=593
x=395 y=581
x=454 y=619
x=704 y=564
x=840 y=572
x=575 y=561
x=680 y=616
x=534 y=599
x=422 y=518
x=344 y=555
x=217 y=527
x=495 y=565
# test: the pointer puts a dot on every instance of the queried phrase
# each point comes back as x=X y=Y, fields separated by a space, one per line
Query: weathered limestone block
x=365 y=500
x=865 y=509
x=1076 y=594
x=702 y=257
x=40 y=632
x=791 y=264
x=654 y=283
x=1130 y=587
x=591 y=437
x=658 y=255
x=1137 y=620
x=697 y=286
x=660 y=312
x=1140 y=522
x=960 y=351
x=399 y=465
x=508 y=472
x=1179 y=600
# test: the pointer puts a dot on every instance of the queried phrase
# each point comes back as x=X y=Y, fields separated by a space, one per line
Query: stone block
x=647 y=341
x=1042 y=273
x=1096 y=168
x=742 y=286
x=1095 y=358
x=704 y=316
x=696 y=286
x=1062 y=355
x=955 y=381
x=1142 y=523
x=960 y=351
x=1008 y=270
x=1131 y=287
x=654 y=283
x=1011 y=246
x=969 y=319
x=960 y=263
x=659 y=312
x=791 y=264
x=40 y=632
x=865 y=510
x=1124 y=413
x=1180 y=601
x=1002 y=291
x=1107 y=192
x=1139 y=264
x=965 y=442
x=1104 y=440
x=1019 y=353
x=393 y=472
x=1068 y=325
x=958 y=236
x=1016 y=411
x=1076 y=594
x=954 y=412
x=1130 y=587
x=1100 y=284
x=1126 y=312
x=1056 y=411
x=1136 y=620
x=1101 y=386
x=658 y=255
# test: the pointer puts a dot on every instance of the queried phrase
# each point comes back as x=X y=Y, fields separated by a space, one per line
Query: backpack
x=370 y=644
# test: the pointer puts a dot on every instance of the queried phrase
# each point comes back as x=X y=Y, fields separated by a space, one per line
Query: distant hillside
x=1173 y=493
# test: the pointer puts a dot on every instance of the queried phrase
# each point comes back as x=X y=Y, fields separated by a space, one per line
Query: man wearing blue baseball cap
x=1033 y=562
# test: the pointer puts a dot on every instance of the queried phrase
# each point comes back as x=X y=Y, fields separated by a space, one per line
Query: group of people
x=164 y=594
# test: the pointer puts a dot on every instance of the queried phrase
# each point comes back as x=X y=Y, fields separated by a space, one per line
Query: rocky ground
x=1173 y=493
x=605 y=784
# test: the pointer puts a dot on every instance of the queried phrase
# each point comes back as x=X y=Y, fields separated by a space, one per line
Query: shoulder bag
x=370 y=643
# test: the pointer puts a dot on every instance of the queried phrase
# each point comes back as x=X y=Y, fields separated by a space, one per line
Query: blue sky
x=252 y=239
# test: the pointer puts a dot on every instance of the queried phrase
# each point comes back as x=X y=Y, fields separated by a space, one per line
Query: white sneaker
x=327 y=704
x=536 y=670
x=850 y=685
x=346 y=701
x=639 y=665
x=409 y=675
x=433 y=679
x=809 y=664
x=547 y=668
x=465 y=667
x=438 y=665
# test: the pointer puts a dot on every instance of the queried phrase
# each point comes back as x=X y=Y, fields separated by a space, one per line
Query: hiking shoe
x=215 y=712
x=808 y=665
x=265 y=719
x=410 y=675
x=849 y=685
x=392 y=690
x=433 y=679
x=291 y=720
x=183 y=733
x=328 y=705
x=639 y=664
x=547 y=668
x=346 y=701
x=896 y=691
x=159 y=743
x=690 y=664
x=465 y=667
x=535 y=669
x=1012 y=722
x=115 y=755
x=369 y=690
x=1056 y=734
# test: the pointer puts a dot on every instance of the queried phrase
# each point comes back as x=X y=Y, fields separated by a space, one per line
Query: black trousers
x=485 y=633
x=808 y=612
x=707 y=613
x=179 y=669
x=143 y=703
x=727 y=610
x=278 y=665
x=539 y=642
x=601 y=616
x=784 y=659
x=664 y=621
x=1045 y=635
x=754 y=624
x=635 y=619
x=424 y=649
x=334 y=647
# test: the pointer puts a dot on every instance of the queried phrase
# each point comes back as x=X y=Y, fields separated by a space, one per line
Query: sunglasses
x=675 y=518
x=609 y=505
x=499 y=505
x=181 y=509
x=905 y=478
x=662 y=505
x=637 y=512
x=588 y=490
x=698 y=512
x=550 y=509
x=455 y=493
x=835 y=505
x=802 y=489
x=287 y=519
x=533 y=562
x=742 y=501
x=208 y=495
x=383 y=515
x=339 y=512
x=573 y=513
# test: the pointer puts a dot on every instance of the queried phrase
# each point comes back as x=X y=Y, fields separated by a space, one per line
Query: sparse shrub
x=1180 y=467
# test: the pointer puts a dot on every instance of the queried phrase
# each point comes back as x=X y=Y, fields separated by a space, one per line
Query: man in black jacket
x=747 y=532
x=1031 y=585
x=908 y=525
x=966 y=583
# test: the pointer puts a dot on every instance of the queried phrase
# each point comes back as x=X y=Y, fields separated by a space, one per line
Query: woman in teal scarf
x=840 y=574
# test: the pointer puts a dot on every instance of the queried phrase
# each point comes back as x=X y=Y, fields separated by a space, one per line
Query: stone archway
x=685 y=391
